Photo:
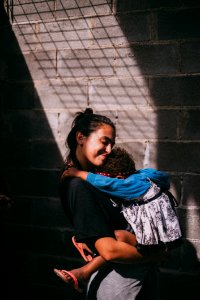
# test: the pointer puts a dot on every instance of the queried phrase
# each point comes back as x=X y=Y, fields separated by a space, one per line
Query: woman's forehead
x=106 y=130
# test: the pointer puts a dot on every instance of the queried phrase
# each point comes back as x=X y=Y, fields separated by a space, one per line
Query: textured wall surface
x=137 y=62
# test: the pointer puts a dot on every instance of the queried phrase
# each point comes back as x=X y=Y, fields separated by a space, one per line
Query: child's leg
x=84 y=273
x=126 y=237
x=121 y=235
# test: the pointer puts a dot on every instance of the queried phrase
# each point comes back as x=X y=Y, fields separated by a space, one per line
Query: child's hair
x=118 y=163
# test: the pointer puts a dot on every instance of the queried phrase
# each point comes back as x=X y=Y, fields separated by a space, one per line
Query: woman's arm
x=112 y=250
x=94 y=223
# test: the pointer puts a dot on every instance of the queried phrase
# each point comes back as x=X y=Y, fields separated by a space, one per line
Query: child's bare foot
x=77 y=278
x=70 y=278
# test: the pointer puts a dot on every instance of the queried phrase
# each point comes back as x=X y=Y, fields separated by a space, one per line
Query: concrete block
x=146 y=124
x=146 y=59
x=191 y=190
x=26 y=37
x=106 y=32
x=15 y=153
x=189 y=150
x=16 y=125
x=61 y=94
x=19 y=95
x=27 y=10
x=178 y=24
x=35 y=65
x=22 y=125
x=189 y=125
x=44 y=125
x=108 y=113
x=190 y=57
x=8 y=40
x=135 y=27
x=66 y=34
x=39 y=183
x=39 y=212
x=175 y=91
x=175 y=187
x=46 y=153
x=72 y=8
x=190 y=222
x=119 y=94
x=86 y=63
x=129 y=5
x=173 y=156
x=146 y=153
x=65 y=121
x=119 y=30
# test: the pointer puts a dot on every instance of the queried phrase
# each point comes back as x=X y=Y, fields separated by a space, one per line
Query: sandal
x=79 y=247
x=62 y=274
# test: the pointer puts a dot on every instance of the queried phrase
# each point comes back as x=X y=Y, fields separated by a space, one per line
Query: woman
x=95 y=218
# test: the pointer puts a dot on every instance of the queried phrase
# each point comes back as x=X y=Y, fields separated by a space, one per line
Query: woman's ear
x=79 y=138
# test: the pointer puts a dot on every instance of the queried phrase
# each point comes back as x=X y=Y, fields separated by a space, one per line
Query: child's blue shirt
x=131 y=187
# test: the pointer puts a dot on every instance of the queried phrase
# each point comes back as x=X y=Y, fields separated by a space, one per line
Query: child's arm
x=126 y=189
x=73 y=172
x=131 y=187
x=159 y=177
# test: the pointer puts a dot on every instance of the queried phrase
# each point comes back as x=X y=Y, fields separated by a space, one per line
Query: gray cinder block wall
x=137 y=62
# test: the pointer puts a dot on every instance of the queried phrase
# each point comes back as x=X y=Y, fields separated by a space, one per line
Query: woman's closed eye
x=106 y=142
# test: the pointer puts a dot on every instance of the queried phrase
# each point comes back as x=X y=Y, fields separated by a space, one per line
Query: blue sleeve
x=161 y=178
x=132 y=187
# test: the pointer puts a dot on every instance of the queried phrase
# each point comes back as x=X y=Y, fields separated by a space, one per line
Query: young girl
x=146 y=204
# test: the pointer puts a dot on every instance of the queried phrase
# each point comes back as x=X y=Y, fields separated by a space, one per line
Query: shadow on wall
x=51 y=69
x=28 y=168
x=170 y=70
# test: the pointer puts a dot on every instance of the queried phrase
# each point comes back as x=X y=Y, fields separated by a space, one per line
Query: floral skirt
x=153 y=221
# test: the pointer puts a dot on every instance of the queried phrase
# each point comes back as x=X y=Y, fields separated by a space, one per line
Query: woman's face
x=93 y=150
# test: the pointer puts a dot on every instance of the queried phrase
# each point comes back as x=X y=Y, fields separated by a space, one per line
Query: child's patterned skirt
x=153 y=218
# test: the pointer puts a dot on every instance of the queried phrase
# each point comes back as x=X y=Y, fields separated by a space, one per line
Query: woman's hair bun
x=88 y=111
x=80 y=115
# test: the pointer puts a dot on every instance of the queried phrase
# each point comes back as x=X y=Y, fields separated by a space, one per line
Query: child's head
x=118 y=164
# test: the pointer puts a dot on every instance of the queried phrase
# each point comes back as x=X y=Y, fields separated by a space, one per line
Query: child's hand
x=70 y=172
